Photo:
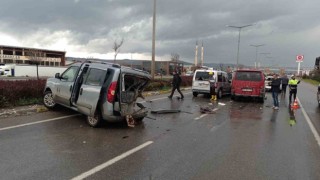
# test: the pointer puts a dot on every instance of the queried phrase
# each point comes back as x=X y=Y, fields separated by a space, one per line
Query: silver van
x=201 y=84
x=101 y=91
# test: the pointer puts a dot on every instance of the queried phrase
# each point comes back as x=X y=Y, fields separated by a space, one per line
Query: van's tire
x=48 y=100
x=232 y=97
x=195 y=94
x=261 y=100
x=219 y=94
x=96 y=120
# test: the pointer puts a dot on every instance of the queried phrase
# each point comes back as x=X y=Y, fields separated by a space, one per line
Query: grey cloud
x=95 y=24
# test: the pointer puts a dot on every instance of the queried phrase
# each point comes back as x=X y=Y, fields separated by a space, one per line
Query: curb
x=22 y=111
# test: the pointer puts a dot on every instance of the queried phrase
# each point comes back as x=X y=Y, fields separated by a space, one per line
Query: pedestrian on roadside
x=284 y=83
x=212 y=82
x=275 y=89
x=176 y=81
x=293 y=87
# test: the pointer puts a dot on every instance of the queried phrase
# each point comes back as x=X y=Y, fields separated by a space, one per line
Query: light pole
x=239 y=27
x=265 y=53
x=257 y=45
x=153 y=39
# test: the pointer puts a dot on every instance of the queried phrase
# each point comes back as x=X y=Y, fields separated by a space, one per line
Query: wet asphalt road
x=241 y=140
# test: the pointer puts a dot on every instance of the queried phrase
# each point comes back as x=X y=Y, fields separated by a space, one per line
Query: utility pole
x=153 y=39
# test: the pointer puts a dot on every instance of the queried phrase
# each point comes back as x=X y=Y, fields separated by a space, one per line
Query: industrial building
x=25 y=55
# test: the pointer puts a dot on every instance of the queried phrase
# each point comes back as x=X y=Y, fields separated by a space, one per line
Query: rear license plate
x=247 y=90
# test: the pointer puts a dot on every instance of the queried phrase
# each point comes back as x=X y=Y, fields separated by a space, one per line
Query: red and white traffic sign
x=299 y=58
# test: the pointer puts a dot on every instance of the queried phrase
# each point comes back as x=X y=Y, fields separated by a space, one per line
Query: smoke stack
x=196 y=55
x=202 y=54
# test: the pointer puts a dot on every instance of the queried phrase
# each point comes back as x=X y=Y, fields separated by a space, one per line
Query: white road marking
x=111 y=161
x=203 y=115
x=38 y=122
x=313 y=129
x=222 y=104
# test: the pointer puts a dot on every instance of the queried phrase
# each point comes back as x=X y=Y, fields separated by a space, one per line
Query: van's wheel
x=48 y=100
x=96 y=120
x=195 y=94
x=232 y=97
x=262 y=100
x=219 y=94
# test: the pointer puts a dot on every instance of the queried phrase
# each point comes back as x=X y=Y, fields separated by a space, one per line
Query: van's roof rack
x=102 y=62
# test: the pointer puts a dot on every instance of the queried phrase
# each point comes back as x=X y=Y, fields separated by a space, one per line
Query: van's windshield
x=248 y=76
x=203 y=76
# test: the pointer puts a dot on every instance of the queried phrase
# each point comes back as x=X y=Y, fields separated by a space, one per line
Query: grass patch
x=311 y=81
x=28 y=101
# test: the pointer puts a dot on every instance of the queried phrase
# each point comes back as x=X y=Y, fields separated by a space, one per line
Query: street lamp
x=265 y=53
x=257 y=45
x=239 y=27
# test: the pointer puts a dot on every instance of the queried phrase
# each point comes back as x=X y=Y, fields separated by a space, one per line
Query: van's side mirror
x=57 y=76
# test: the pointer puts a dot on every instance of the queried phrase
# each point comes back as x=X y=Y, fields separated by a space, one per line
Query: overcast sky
x=88 y=28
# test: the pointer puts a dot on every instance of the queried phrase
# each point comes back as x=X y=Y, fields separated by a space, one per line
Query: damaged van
x=101 y=91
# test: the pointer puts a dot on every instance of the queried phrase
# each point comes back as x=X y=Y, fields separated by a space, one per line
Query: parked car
x=99 y=91
x=189 y=73
x=267 y=83
x=248 y=83
x=201 y=84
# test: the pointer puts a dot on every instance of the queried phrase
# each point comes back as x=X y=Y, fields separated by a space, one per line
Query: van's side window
x=220 y=78
x=70 y=74
x=95 y=77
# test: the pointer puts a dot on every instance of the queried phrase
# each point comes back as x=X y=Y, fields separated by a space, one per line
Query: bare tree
x=175 y=57
x=35 y=58
x=116 y=48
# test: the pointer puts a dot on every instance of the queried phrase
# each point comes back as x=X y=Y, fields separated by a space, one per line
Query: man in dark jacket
x=275 y=88
x=284 y=82
x=176 y=81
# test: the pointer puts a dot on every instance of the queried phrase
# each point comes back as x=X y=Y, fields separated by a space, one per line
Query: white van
x=201 y=84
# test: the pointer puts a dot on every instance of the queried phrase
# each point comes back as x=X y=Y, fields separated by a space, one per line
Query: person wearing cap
x=293 y=86
x=284 y=83
x=176 y=81
x=212 y=82
x=275 y=89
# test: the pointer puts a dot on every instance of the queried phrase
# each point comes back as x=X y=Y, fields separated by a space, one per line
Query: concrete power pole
x=196 y=56
x=202 y=54
x=153 y=39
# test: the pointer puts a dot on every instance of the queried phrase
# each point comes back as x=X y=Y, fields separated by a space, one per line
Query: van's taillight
x=111 y=92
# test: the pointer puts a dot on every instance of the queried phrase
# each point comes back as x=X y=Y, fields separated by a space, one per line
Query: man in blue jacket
x=275 y=89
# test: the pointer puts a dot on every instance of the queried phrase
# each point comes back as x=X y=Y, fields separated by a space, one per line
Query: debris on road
x=208 y=110
x=165 y=111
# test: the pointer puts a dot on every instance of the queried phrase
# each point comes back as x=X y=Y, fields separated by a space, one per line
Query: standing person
x=212 y=82
x=293 y=86
x=176 y=81
x=284 y=82
x=275 y=88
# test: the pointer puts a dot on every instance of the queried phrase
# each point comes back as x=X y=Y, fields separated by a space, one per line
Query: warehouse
x=25 y=55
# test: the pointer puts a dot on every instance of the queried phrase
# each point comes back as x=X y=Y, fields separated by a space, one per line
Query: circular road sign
x=299 y=58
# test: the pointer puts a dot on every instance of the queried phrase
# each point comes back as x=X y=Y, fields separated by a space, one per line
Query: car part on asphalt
x=165 y=111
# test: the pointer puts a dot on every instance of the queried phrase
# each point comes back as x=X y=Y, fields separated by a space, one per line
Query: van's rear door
x=201 y=81
x=132 y=85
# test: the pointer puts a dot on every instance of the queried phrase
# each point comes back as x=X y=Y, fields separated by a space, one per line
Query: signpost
x=299 y=59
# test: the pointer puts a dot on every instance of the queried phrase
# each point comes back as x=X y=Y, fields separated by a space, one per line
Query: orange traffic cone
x=295 y=105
